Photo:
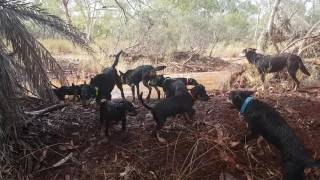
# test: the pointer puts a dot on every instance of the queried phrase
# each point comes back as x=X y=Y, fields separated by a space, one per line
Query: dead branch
x=64 y=160
x=194 y=53
x=296 y=41
x=125 y=13
x=46 y=110
x=308 y=46
x=308 y=34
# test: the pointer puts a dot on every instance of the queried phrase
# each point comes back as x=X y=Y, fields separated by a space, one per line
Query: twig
x=46 y=147
x=46 y=110
x=294 y=42
x=195 y=52
x=64 y=160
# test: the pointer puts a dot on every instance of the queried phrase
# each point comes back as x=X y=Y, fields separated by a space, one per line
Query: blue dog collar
x=245 y=104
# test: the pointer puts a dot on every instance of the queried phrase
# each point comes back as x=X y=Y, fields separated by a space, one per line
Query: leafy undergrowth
x=66 y=144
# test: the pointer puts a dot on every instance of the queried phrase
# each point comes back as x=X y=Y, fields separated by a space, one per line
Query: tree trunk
x=265 y=36
x=66 y=10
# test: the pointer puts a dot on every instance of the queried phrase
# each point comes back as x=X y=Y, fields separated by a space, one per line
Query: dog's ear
x=243 y=53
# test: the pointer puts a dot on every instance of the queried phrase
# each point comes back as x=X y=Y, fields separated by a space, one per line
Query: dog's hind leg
x=123 y=123
x=146 y=84
x=296 y=81
x=158 y=128
x=263 y=79
x=119 y=85
x=138 y=90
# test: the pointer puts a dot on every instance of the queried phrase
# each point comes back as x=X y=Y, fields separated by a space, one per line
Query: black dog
x=265 y=121
x=87 y=92
x=269 y=64
x=72 y=90
x=115 y=111
x=143 y=73
x=106 y=81
x=172 y=106
x=170 y=85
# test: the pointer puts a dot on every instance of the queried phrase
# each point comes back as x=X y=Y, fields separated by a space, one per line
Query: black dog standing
x=170 y=85
x=269 y=64
x=115 y=111
x=143 y=73
x=106 y=81
x=180 y=104
x=265 y=121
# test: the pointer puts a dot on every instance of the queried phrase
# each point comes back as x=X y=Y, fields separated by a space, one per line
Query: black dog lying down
x=180 y=104
x=72 y=90
x=83 y=92
x=115 y=111
x=169 y=85
x=143 y=73
x=106 y=81
x=265 y=121
x=269 y=64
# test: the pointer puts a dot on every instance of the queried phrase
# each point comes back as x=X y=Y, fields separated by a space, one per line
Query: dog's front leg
x=158 y=91
x=138 y=90
x=133 y=92
x=157 y=130
x=119 y=85
x=145 y=83
x=124 y=123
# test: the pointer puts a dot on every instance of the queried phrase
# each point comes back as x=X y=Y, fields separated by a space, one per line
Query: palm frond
x=34 y=60
x=27 y=11
x=8 y=107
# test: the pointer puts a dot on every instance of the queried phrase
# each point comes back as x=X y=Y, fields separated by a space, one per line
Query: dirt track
x=193 y=151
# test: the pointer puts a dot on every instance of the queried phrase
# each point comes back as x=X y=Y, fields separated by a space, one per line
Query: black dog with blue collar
x=263 y=120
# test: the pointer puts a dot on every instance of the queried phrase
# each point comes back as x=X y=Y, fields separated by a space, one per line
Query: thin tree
x=267 y=35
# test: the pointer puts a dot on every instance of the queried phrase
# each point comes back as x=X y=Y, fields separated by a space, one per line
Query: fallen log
x=46 y=110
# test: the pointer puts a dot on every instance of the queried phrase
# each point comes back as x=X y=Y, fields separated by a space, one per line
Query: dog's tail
x=303 y=68
x=143 y=103
x=116 y=60
x=159 y=68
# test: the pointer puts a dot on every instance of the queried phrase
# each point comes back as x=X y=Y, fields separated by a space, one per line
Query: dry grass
x=231 y=49
x=60 y=46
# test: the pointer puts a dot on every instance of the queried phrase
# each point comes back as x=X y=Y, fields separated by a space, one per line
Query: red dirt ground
x=193 y=151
